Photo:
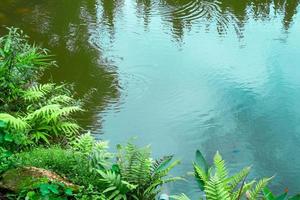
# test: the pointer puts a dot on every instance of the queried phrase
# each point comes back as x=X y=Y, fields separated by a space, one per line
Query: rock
x=28 y=177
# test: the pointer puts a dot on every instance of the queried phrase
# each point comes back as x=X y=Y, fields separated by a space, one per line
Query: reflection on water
x=63 y=27
x=181 y=74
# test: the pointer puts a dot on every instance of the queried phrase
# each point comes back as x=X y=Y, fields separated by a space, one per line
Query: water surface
x=181 y=75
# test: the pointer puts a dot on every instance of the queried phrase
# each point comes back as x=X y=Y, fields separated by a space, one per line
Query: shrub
x=136 y=175
x=21 y=64
x=48 y=116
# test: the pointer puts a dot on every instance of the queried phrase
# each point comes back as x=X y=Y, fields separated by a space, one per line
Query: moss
x=19 y=179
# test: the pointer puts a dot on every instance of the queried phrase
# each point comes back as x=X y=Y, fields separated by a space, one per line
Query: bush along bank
x=45 y=154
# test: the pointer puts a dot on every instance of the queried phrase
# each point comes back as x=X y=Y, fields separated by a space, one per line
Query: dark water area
x=181 y=75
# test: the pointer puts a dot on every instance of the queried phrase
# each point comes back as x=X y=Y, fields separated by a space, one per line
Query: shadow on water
x=63 y=27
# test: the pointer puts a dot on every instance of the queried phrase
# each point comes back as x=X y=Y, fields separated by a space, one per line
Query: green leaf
x=200 y=161
x=53 y=188
x=268 y=194
x=30 y=195
x=200 y=165
x=69 y=191
x=44 y=189
x=296 y=197
x=164 y=164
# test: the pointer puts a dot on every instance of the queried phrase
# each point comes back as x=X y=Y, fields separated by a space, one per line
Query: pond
x=181 y=75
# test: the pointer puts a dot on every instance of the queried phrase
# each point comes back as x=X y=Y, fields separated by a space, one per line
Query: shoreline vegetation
x=45 y=154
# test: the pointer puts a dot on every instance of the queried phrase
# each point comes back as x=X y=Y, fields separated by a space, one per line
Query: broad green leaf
x=53 y=188
x=44 y=189
x=201 y=162
x=164 y=164
x=296 y=197
x=69 y=192
x=268 y=194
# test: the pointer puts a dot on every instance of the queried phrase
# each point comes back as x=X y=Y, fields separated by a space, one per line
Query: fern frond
x=253 y=194
x=116 y=187
x=12 y=122
x=242 y=191
x=101 y=145
x=221 y=171
x=66 y=111
x=61 y=99
x=84 y=143
x=68 y=128
x=215 y=189
x=166 y=171
x=160 y=164
x=135 y=164
x=180 y=197
x=200 y=173
x=44 y=112
x=36 y=92
x=236 y=179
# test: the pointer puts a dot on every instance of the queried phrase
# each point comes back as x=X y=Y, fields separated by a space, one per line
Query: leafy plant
x=5 y=163
x=45 y=191
x=21 y=64
x=268 y=195
x=96 y=151
x=47 y=118
x=33 y=113
x=218 y=185
x=136 y=167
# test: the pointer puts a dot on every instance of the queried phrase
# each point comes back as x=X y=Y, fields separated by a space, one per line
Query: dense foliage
x=21 y=64
x=38 y=132
x=216 y=183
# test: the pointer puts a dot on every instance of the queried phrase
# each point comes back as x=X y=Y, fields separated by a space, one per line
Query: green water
x=181 y=75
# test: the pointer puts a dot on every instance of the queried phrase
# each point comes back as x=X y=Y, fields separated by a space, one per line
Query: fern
x=21 y=65
x=221 y=171
x=200 y=173
x=236 y=195
x=254 y=193
x=217 y=184
x=215 y=189
x=61 y=99
x=35 y=93
x=96 y=151
x=46 y=112
x=137 y=167
x=236 y=179
x=68 y=128
x=84 y=143
x=15 y=123
x=180 y=197
x=116 y=188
